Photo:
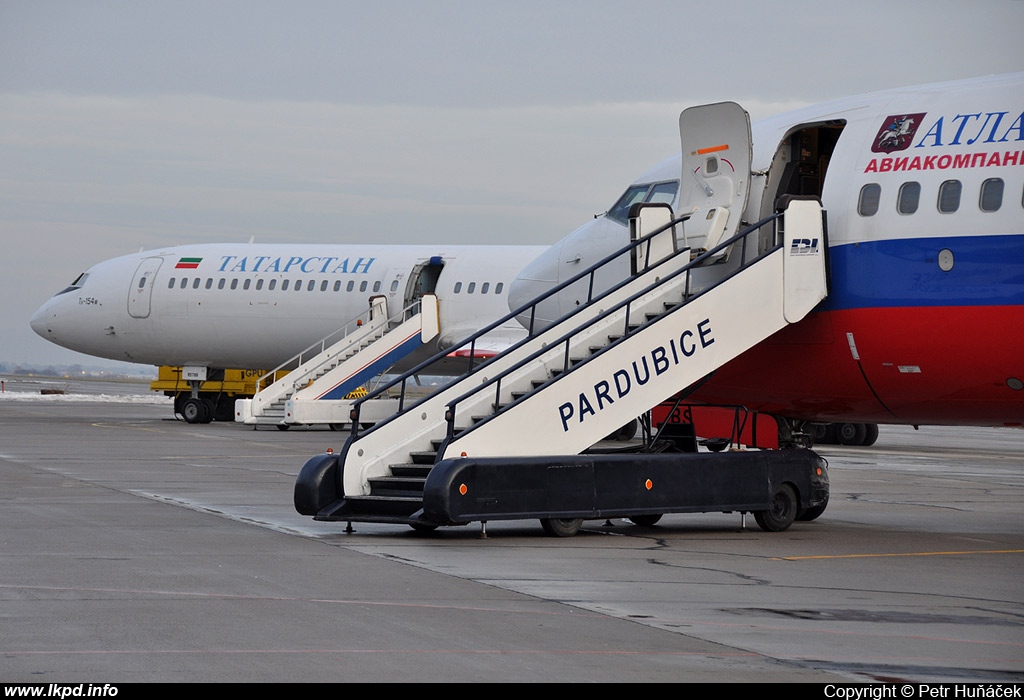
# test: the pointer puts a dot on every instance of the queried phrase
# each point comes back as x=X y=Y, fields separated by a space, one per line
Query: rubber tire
x=195 y=411
x=850 y=434
x=423 y=528
x=824 y=434
x=812 y=513
x=645 y=520
x=561 y=527
x=283 y=426
x=783 y=511
x=717 y=444
x=211 y=410
x=871 y=434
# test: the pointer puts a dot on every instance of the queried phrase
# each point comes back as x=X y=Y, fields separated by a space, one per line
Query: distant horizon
x=78 y=370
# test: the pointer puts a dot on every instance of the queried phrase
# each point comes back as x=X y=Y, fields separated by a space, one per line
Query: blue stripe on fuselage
x=987 y=271
x=371 y=370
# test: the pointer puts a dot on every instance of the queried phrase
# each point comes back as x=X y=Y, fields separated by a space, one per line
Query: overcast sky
x=138 y=124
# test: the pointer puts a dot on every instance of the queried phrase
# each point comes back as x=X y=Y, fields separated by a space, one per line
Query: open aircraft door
x=715 y=183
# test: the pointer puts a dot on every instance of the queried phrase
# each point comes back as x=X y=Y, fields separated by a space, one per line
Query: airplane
x=924 y=322
x=210 y=307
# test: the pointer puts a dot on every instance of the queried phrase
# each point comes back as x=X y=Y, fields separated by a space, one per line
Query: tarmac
x=137 y=548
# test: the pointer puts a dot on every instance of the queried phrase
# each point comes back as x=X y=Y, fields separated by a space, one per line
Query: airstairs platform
x=314 y=386
x=664 y=327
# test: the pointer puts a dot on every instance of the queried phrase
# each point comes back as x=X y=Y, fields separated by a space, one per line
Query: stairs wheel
x=561 y=527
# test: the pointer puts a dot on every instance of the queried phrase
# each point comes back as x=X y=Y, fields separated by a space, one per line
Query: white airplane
x=924 y=323
x=256 y=305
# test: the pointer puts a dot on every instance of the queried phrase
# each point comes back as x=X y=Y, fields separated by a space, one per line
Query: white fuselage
x=257 y=305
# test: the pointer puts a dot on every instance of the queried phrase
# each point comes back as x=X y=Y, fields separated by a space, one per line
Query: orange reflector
x=463 y=454
x=330 y=450
x=463 y=489
x=713 y=149
x=649 y=484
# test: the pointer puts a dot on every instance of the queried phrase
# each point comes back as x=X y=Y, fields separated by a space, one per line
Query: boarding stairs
x=338 y=365
x=667 y=325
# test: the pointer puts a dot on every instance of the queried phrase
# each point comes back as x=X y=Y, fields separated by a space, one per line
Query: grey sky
x=138 y=124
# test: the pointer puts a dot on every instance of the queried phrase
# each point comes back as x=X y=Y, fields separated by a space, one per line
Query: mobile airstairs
x=313 y=386
x=508 y=439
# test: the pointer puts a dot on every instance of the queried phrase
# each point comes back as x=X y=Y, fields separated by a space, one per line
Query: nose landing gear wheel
x=196 y=411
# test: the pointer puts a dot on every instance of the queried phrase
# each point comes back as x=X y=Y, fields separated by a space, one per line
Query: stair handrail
x=330 y=339
x=709 y=257
x=531 y=331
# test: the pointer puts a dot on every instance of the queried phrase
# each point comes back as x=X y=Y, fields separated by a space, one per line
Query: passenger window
x=196 y=282
x=311 y=286
x=170 y=283
x=867 y=202
x=394 y=286
x=259 y=284
x=337 y=285
x=471 y=288
x=909 y=198
x=184 y=282
x=209 y=283
x=362 y=286
x=234 y=283
x=458 y=287
x=323 y=286
x=246 y=284
x=949 y=196
x=351 y=286
x=498 y=287
x=991 y=194
x=284 y=285
x=376 y=286
x=485 y=287
x=272 y=285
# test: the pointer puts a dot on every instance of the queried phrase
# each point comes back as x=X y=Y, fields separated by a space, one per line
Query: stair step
x=396 y=487
x=384 y=509
x=424 y=457
x=411 y=471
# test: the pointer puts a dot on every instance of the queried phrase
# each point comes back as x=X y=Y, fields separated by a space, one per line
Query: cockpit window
x=663 y=193
x=77 y=284
x=658 y=192
x=634 y=194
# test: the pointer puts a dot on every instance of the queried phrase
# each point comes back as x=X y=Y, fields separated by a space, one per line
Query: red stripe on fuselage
x=922 y=365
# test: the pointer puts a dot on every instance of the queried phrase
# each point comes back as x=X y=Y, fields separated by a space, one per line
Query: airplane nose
x=536 y=278
x=571 y=256
x=40 y=320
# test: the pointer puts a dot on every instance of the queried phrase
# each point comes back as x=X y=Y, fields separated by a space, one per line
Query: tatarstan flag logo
x=188 y=263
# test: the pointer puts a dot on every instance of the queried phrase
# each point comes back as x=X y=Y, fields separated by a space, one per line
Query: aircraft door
x=715 y=184
x=141 y=291
x=423 y=280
